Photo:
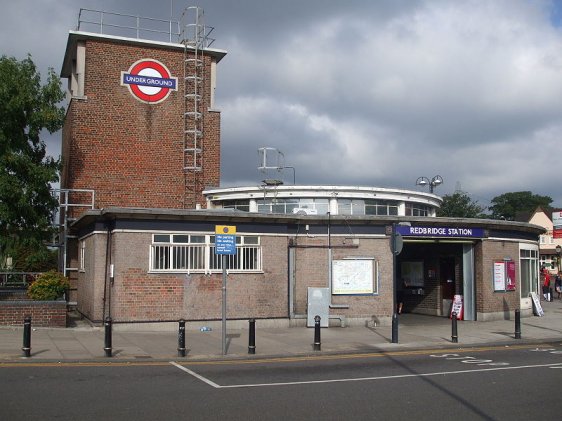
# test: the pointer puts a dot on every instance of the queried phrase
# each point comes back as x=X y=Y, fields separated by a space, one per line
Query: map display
x=353 y=276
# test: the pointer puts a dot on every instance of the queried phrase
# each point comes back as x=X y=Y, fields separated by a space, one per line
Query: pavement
x=84 y=342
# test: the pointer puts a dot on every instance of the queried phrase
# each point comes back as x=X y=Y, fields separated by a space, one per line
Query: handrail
x=99 y=19
x=17 y=279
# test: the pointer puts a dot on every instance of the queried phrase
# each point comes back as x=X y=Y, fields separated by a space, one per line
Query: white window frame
x=196 y=256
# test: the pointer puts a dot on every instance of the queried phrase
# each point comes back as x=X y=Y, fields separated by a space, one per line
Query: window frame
x=197 y=254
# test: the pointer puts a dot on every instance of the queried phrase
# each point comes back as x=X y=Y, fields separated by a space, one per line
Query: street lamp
x=558 y=252
x=434 y=182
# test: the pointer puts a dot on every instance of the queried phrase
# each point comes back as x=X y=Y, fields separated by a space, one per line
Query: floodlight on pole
x=434 y=182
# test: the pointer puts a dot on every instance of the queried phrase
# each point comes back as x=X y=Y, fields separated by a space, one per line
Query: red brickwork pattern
x=129 y=152
x=488 y=300
x=137 y=295
x=312 y=270
x=43 y=313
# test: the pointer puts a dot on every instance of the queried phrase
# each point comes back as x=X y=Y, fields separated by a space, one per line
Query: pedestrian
x=558 y=284
x=546 y=284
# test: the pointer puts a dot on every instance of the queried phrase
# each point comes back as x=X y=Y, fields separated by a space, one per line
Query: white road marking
x=197 y=376
x=360 y=379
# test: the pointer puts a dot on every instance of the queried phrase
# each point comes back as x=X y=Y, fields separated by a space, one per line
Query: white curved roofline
x=351 y=192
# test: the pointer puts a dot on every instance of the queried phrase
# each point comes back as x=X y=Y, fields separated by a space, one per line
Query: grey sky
x=365 y=92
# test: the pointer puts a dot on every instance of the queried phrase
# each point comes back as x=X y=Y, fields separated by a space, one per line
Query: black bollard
x=454 y=333
x=181 y=338
x=395 y=328
x=252 y=337
x=107 y=345
x=317 y=343
x=517 y=324
x=27 y=337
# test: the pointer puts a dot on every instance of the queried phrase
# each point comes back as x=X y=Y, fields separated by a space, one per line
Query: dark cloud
x=361 y=92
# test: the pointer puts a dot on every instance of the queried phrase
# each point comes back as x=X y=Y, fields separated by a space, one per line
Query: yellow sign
x=225 y=229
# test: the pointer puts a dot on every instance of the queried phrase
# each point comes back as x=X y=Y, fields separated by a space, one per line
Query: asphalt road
x=488 y=383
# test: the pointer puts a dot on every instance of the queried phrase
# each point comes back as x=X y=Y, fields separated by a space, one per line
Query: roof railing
x=118 y=24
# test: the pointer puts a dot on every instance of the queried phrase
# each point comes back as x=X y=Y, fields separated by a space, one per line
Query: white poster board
x=499 y=276
x=537 y=305
x=353 y=276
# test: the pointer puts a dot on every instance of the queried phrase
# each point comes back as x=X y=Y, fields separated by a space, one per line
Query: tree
x=26 y=109
x=460 y=205
x=507 y=205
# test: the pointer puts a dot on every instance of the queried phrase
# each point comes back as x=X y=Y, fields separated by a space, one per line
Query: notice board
x=353 y=276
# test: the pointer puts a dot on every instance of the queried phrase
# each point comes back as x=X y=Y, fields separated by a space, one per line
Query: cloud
x=369 y=93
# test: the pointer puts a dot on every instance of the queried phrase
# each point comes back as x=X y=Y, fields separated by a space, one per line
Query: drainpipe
x=108 y=271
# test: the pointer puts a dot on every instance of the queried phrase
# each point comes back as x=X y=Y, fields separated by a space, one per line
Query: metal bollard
x=317 y=343
x=395 y=328
x=181 y=338
x=454 y=333
x=27 y=337
x=252 y=337
x=107 y=344
x=517 y=324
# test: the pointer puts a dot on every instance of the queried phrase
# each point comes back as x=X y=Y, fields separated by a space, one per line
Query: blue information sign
x=225 y=244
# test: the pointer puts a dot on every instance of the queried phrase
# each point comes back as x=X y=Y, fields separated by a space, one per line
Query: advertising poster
x=499 y=276
x=510 y=272
x=457 y=307
x=504 y=275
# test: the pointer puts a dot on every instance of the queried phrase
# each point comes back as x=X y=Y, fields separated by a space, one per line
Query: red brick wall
x=312 y=271
x=43 y=313
x=141 y=296
x=488 y=300
x=130 y=152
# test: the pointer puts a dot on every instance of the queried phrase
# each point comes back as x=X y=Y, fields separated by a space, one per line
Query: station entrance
x=430 y=273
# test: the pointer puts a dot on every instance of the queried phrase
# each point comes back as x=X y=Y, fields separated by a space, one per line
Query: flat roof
x=75 y=36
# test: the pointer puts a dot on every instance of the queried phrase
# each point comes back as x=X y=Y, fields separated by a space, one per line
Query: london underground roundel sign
x=149 y=81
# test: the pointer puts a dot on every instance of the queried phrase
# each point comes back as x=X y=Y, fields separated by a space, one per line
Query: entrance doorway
x=432 y=273
x=447 y=283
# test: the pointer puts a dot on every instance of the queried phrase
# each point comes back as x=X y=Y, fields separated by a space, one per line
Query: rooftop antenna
x=272 y=159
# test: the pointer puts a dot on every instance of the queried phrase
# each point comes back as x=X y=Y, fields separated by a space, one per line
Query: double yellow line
x=297 y=358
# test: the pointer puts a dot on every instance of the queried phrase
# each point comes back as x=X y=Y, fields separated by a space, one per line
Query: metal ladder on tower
x=194 y=36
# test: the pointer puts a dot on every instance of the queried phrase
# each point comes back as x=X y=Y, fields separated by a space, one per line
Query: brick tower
x=140 y=129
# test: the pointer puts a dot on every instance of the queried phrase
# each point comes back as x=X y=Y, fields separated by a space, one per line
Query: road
x=488 y=383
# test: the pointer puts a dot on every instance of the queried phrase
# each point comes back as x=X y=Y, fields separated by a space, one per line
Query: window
x=414 y=209
x=366 y=207
x=292 y=205
x=380 y=207
x=529 y=261
x=196 y=252
x=241 y=205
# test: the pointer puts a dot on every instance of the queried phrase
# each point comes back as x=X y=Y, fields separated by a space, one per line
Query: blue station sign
x=417 y=231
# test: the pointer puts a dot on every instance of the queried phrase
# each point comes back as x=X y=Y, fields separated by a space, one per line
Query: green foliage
x=48 y=286
x=30 y=257
x=26 y=205
x=508 y=205
x=460 y=205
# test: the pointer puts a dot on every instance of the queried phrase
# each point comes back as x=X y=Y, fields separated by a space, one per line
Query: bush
x=48 y=286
